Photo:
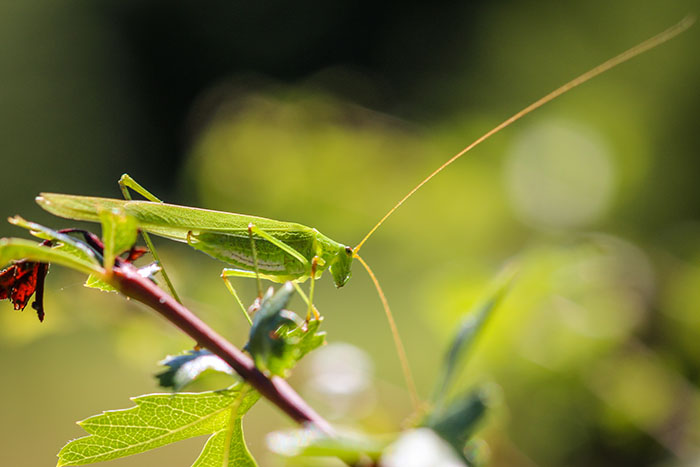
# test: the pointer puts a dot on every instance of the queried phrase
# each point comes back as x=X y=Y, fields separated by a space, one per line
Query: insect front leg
x=303 y=296
x=314 y=266
x=126 y=183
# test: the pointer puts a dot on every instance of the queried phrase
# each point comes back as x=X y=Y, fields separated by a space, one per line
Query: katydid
x=284 y=251
x=275 y=250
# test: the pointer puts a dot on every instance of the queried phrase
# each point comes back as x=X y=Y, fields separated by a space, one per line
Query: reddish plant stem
x=274 y=388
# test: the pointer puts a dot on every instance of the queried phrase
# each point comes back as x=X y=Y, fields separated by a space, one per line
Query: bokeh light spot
x=559 y=176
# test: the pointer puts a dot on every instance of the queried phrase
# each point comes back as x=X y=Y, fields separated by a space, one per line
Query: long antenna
x=408 y=376
x=648 y=44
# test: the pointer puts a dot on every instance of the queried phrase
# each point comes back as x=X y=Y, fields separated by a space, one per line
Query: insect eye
x=348 y=250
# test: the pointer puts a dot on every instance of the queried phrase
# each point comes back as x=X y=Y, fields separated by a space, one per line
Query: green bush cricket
x=282 y=251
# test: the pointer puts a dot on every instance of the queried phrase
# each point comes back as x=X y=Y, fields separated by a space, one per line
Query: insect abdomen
x=236 y=250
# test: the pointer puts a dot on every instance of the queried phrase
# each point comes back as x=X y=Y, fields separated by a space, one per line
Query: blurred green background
x=326 y=113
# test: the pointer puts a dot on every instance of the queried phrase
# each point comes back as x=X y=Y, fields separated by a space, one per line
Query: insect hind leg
x=127 y=183
x=225 y=274
x=309 y=266
x=255 y=259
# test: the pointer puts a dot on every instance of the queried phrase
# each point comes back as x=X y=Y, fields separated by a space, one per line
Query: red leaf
x=135 y=253
x=18 y=283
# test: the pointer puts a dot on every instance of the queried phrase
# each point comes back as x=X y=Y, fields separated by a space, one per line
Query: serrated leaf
x=291 y=346
x=183 y=369
x=157 y=420
x=266 y=343
x=15 y=249
x=468 y=330
x=278 y=339
x=308 y=339
x=119 y=232
x=226 y=448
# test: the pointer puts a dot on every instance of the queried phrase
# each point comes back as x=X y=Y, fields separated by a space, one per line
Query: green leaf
x=95 y=282
x=161 y=419
x=350 y=447
x=226 y=448
x=294 y=344
x=183 y=369
x=305 y=339
x=119 y=232
x=458 y=422
x=15 y=249
x=66 y=242
x=275 y=347
x=469 y=329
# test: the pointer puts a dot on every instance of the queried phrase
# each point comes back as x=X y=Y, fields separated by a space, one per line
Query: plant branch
x=127 y=279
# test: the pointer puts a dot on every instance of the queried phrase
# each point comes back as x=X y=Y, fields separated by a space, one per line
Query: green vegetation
x=590 y=358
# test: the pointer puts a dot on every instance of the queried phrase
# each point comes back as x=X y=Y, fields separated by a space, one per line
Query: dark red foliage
x=18 y=283
x=135 y=253
x=23 y=279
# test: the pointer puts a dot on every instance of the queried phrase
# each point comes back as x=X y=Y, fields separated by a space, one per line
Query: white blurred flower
x=421 y=447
